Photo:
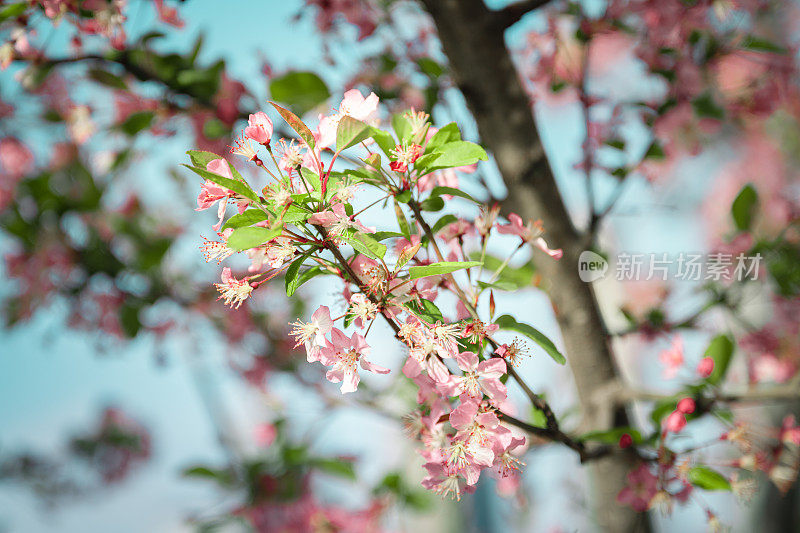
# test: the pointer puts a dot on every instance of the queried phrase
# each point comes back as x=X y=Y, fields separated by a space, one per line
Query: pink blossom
x=675 y=422
x=15 y=157
x=273 y=254
x=211 y=193
x=232 y=290
x=354 y=105
x=456 y=229
x=476 y=437
x=265 y=434
x=672 y=358
x=767 y=367
x=529 y=233
x=344 y=355
x=259 y=128
x=705 y=367
x=480 y=377
x=446 y=480
x=338 y=221
x=405 y=155
x=686 y=406
x=312 y=334
x=642 y=486
x=361 y=13
x=168 y=15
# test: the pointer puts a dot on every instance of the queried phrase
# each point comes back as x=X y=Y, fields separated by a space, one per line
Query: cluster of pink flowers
x=460 y=438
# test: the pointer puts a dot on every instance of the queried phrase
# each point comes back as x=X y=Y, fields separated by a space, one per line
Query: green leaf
x=538 y=418
x=137 y=122
x=214 y=128
x=758 y=44
x=430 y=67
x=350 y=132
x=13 y=10
x=705 y=107
x=296 y=124
x=221 y=476
x=434 y=203
x=365 y=244
x=662 y=409
x=457 y=154
x=291 y=276
x=295 y=215
x=384 y=140
x=612 y=436
x=382 y=235
x=437 y=269
x=252 y=236
x=446 y=134
x=108 y=79
x=248 y=218
x=426 y=310
x=401 y=127
x=439 y=191
x=499 y=285
x=403 y=197
x=721 y=351
x=239 y=187
x=708 y=479
x=508 y=322
x=744 y=206
x=655 y=151
x=336 y=467
x=446 y=220
x=302 y=91
x=202 y=159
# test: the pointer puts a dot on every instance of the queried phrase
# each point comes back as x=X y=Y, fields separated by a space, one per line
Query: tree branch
x=484 y=72
x=512 y=13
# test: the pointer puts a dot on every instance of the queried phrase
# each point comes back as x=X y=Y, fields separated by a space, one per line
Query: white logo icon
x=591 y=266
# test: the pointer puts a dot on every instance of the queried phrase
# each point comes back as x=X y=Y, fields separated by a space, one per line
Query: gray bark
x=473 y=40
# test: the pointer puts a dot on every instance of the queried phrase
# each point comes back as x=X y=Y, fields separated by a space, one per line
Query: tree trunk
x=473 y=40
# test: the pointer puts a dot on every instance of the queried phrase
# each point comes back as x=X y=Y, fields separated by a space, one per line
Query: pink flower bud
x=705 y=367
x=259 y=128
x=625 y=441
x=686 y=406
x=676 y=421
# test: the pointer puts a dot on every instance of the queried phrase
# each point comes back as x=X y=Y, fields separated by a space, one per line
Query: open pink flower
x=232 y=290
x=259 y=128
x=480 y=377
x=354 y=105
x=530 y=233
x=338 y=221
x=211 y=193
x=475 y=441
x=446 y=480
x=404 y=155
x=345 y=355
x=312 y=334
